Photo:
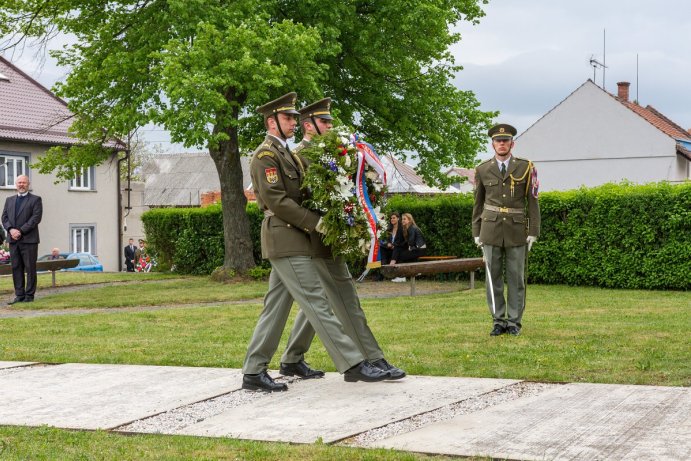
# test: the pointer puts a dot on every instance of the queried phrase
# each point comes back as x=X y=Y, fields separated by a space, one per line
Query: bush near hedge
x=190 y=240
x=614 y=236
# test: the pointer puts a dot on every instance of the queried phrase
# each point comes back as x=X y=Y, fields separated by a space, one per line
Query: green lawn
x=570 y=334
x=20 y=444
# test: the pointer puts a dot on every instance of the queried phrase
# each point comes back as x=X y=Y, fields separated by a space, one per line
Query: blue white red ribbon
x=367 y=157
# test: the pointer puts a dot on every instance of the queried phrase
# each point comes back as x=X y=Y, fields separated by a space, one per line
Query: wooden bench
x=52 y=265
x=440 y=266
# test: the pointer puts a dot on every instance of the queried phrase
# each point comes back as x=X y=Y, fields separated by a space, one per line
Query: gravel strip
x=174 y=420
x=471 y=405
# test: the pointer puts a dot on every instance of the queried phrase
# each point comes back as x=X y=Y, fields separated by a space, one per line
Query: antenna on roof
x=637 y=79
x=604 y=57
x=597 y=65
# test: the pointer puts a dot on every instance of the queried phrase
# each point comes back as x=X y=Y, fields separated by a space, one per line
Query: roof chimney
x=623 y=91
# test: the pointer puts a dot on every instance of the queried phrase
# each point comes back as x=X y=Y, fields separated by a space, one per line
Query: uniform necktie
x=503 y=170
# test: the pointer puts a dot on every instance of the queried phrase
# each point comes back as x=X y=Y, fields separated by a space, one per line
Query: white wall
x=591 y=138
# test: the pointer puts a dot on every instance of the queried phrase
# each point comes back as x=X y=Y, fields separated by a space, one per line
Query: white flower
x=347 y=161
x=372 y=175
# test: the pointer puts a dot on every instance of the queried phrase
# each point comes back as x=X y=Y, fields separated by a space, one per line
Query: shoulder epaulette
x=265 y=153
x=482 y=163
x=521 y=158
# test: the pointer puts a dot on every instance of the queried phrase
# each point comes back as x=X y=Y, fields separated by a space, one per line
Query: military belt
x=501 y=209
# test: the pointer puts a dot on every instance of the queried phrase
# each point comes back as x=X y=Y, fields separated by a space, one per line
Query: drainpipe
x=128 y=207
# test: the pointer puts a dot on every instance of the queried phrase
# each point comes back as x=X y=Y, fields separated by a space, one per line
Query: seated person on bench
x=413 y=245
x=394 y=236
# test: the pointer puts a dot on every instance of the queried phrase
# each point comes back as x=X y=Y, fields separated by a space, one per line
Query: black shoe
x=394 y=372
x=498 y=330
x=514 y=331
x=18 y=299
x=365 y=371
x=262 y=382
x=28 y=299
x=300 y=369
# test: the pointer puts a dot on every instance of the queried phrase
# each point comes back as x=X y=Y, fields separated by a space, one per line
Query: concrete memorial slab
x=4 y=365
x=572 y=422
x=332 y=409
x=84 y=396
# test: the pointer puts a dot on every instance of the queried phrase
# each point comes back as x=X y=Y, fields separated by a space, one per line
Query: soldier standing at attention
x=333 y=273
x=506 y=223
x=277 y=179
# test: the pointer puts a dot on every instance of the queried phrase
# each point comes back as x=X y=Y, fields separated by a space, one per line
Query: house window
x=12 y=166
x=82 y=237
x=83 y=181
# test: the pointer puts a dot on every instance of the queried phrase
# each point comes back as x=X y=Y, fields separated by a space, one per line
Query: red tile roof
x=463 y=172
x=658 y=120
x=29 y=111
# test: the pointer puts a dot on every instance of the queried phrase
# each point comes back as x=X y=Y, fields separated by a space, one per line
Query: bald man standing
x=20 y=217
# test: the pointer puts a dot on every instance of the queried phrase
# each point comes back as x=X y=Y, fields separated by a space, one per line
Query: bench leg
x=412 y=286
x=53 y=272
x=472 y=280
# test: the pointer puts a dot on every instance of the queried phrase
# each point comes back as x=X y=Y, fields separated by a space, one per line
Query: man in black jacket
x=20 y=217
x=130 y=255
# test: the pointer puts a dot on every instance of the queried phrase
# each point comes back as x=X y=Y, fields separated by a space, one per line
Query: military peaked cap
x=319 y=109
x=284 y=104
x=502 y=130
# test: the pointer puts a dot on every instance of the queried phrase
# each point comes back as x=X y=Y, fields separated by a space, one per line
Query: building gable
x=592 y=124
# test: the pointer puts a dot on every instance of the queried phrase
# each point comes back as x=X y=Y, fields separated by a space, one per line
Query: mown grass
x=20 y=443
x=570 y=334
x=154 y=291
x=63 y=279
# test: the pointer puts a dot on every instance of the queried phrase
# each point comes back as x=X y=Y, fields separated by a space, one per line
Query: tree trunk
x=236 y=224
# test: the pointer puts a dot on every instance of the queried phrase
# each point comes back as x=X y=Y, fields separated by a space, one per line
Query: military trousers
x=508 y=312
x=296 y=277
x=343 y=299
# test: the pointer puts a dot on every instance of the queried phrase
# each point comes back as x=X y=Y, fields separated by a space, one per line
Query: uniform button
x=287 y=225
x=504 y=195
x=504 y=219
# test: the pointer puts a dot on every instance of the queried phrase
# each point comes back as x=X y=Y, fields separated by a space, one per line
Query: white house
x=593 y=137
x=78 y=215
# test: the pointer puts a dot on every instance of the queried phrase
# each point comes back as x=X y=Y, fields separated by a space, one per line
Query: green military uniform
x=276 y=178
x=505 y=213
x=339 y=286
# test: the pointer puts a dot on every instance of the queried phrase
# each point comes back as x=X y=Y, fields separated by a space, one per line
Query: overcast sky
x=526 y=56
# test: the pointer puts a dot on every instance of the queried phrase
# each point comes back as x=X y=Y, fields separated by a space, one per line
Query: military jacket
x=277 y=178
x=515 y=212
x=319 y=249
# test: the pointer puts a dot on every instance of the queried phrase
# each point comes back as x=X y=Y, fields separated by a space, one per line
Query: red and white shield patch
x=271 y=175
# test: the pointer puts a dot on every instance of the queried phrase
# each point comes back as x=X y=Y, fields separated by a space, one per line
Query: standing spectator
x=414 y=244
x=130 y=251
x=21 y=216
x=505 y=187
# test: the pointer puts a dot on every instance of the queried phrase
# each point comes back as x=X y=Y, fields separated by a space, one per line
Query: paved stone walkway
x=554 y=422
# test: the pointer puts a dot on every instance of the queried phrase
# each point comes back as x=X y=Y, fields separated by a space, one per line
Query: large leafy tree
x=199 y=67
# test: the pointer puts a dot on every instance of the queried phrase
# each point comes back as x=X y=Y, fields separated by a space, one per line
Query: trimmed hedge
x=190 y=240
x=614 y=236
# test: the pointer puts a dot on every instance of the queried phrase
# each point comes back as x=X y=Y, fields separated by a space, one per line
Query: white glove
x=320 y=227
x=530 y=240
x=478 y=242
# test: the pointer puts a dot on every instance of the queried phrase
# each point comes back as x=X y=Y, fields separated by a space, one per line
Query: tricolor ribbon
x=367 y=156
